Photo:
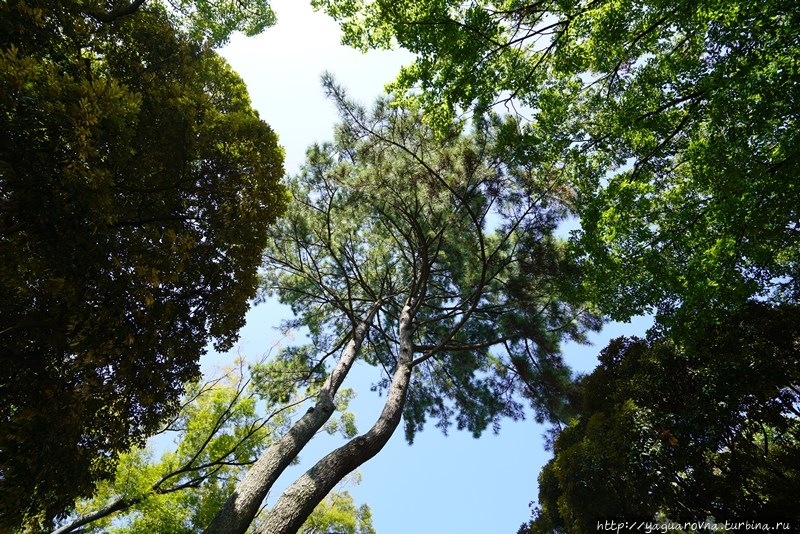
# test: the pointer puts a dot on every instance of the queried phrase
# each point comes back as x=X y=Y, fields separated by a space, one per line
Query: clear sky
x=442 y=485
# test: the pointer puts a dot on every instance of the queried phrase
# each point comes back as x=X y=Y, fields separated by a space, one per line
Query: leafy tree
x=208 y=20
x=222 y=427
x=684 y=431
x=137 y=186
x=676 y=122
x=430 y=258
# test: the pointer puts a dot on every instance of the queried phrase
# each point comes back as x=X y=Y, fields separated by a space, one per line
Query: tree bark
x=299 y=500
x=242 y=506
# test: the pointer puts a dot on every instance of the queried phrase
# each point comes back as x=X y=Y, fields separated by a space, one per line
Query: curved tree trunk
x=298 y=501
x=75 y=524
x=242 y=506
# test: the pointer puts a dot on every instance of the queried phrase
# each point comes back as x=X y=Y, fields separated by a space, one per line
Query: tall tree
x=432 y=259
x=677 y=122
x=684 y=431
x=137 y=186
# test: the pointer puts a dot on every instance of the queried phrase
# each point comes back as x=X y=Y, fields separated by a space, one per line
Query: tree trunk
x=299 y=500
x=242 y=506
x=119 y=504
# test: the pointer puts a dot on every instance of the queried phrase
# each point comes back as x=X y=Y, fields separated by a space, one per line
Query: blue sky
x=442 y=485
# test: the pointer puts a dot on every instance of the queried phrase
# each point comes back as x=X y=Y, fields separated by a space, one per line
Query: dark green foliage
x=676 y=124
x=136 y=188
x=703 y=428
x=205 y=20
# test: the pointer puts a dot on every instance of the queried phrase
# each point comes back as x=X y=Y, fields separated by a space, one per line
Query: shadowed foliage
x=137 y=186
x=683 y=431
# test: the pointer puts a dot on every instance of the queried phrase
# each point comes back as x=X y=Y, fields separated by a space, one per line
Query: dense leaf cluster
x=136 y=188
x=684 y=432
x=676 y=123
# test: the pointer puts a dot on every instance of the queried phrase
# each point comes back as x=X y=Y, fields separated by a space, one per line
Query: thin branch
x=461 y=347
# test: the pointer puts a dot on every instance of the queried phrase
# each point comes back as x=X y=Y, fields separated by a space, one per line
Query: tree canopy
x=432 y=258
x=206 y=20
x=676 y=122
x=138 y=191
x=683 y=432
x=137 y=186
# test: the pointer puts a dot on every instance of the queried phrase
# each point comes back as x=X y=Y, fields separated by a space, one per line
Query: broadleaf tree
x=430 y=257
x=137 y=185
x=683 y=432
x=676 y=122
x=210 y=21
